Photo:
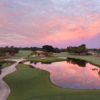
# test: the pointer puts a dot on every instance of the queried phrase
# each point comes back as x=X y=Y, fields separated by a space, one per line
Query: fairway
x=28 y=83
x=34 y=84
x=21 y=53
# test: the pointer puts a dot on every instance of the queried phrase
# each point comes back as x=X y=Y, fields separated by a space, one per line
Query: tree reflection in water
x=46 y=62
x=81 y=63
x=35 y=62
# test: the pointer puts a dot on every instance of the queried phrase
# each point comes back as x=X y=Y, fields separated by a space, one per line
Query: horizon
x=60 y=23
x=49 y=45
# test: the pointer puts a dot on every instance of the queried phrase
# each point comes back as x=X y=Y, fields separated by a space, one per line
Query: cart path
x=4 y=88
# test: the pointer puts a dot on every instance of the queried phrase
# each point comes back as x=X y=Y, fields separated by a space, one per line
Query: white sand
x=4 y=88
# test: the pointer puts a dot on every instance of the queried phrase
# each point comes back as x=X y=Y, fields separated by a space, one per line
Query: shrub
x=2 y=54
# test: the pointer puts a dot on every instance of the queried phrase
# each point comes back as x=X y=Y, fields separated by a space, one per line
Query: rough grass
x=21 y=53
x=45 y=59
x=91 y=59
x=34 y=84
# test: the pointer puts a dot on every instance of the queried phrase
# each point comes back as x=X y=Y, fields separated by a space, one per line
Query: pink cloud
x=46 y=24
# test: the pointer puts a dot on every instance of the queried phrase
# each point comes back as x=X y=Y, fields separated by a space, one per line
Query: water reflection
x=35 y=62
x=81 y=63
x=71 y=75
x=46 y=62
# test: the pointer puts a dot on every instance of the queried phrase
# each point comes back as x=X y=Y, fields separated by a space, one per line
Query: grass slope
x=91 y=59
x=22 y=53
x=34 y=84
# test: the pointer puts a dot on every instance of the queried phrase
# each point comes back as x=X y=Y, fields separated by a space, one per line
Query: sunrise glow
x=59 y=23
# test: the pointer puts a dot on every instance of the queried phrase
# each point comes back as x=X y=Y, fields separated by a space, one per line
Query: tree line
x=77 y=50
x=4 y=50
x=47 y=48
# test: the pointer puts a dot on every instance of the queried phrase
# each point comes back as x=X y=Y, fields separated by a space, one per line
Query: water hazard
x=73 y=73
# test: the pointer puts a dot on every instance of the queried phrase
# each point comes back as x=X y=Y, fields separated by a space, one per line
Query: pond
x=72 y=74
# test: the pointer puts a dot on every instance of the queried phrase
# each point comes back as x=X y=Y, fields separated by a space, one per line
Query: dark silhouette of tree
x=35 y=49
x=48 y=48
x=79 y=50
x=57 y=50
x=81 y=63
x=7 y=49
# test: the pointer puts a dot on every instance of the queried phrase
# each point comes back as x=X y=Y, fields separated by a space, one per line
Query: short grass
x=34 y=84
x=21 y=53
x=91 y=59
x=45 y=59
x=5 y=65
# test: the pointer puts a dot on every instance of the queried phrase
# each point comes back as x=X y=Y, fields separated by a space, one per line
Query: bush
x=2 y=54
x=31 y=66
x=46 y=53
x=33 y=53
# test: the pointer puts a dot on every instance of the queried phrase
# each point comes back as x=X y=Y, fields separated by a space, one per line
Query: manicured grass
x=5 y=65
x=34 y=84
x=21 y=53
x=45 y=59
x=91 y=59
x=99 y=72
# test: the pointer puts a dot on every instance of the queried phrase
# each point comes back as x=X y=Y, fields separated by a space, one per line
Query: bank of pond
x=5 y=63
x=71 y=79
x=72 y=74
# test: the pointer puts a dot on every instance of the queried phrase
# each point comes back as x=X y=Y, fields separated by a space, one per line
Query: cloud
x=49 y=21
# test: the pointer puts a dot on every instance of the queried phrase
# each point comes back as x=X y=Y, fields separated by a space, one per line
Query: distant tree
x=68 y=49
x=7 y=49
x=98 y=50
x=25 y=48
x=48 y=48
x=35 y=49
x=57 y=50
x=62 y=50
x=74 y=50
x=16 y=49
x=80 y=49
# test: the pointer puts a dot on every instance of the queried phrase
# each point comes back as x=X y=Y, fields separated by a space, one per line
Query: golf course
x=28 y=83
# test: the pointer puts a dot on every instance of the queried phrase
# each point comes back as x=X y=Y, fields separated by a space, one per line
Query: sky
x=60 y=23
